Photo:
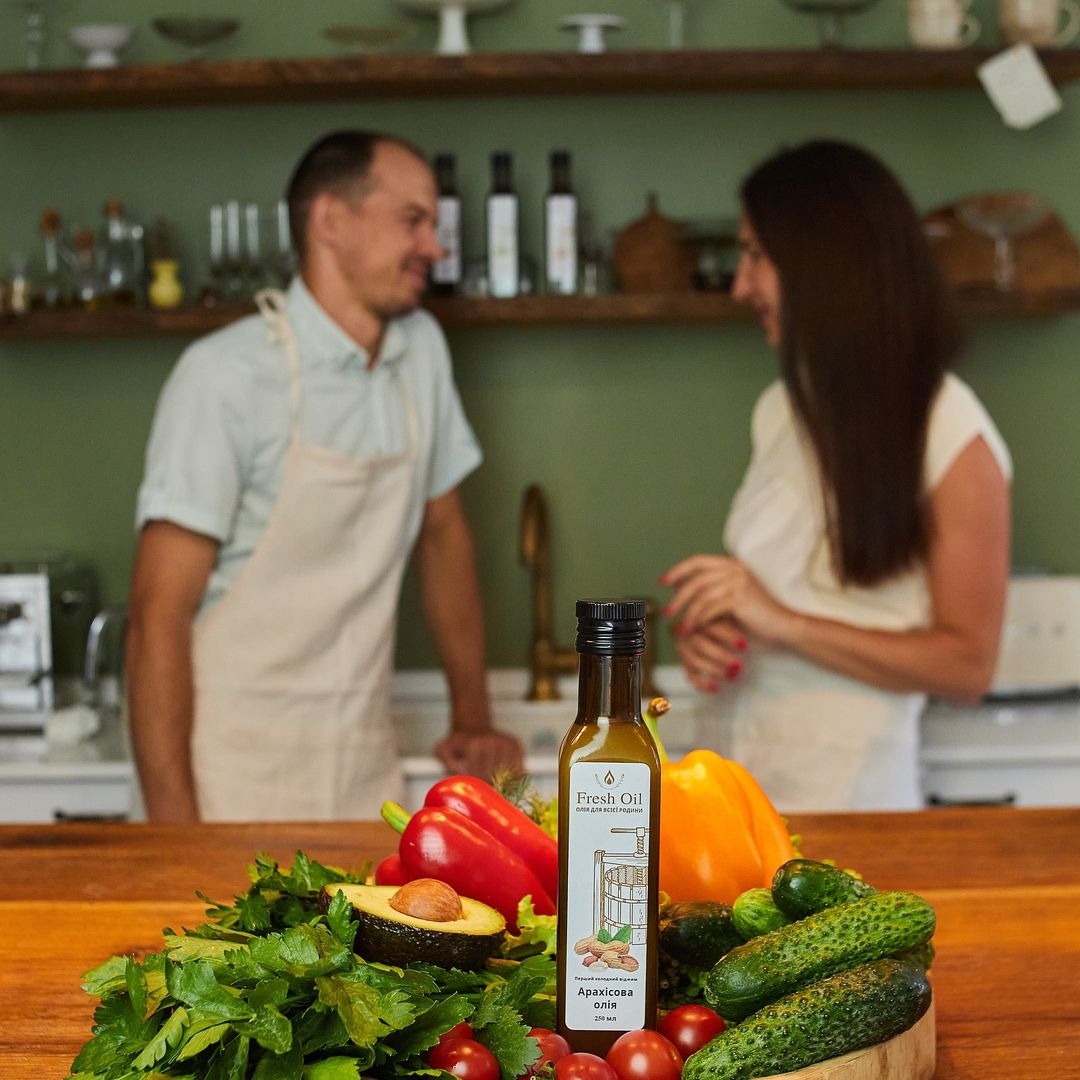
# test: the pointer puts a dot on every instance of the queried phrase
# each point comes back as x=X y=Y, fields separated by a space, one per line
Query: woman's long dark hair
x=869 y=328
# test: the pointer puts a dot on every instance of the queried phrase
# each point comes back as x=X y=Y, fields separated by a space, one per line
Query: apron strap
x=272 y=306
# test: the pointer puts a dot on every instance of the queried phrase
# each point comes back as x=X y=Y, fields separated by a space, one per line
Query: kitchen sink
x=422 y=717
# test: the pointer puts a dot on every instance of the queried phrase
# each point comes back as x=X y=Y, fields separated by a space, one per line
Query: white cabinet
x=45 y=783
x=1017 y=753
x=46 y=800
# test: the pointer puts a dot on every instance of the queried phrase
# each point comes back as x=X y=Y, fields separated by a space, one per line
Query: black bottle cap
x=444 y=161
x=611 y=627
x=560 y=158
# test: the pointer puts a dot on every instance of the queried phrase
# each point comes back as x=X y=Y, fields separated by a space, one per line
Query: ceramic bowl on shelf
x=368 y=39
x=194 y=31
x=101 y=43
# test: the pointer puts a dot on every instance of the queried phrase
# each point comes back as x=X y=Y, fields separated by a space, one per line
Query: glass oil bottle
x=609 y=842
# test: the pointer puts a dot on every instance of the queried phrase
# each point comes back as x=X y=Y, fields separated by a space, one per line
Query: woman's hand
x=712 y=654
x=710 y=587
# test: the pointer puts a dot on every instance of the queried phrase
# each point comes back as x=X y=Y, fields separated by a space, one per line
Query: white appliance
x=1021 y=744
x=45 y=606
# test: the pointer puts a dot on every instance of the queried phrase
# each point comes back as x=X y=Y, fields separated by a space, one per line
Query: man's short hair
x=339 y=163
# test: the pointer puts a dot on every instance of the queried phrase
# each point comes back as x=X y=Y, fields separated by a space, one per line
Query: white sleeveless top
x=815 y=739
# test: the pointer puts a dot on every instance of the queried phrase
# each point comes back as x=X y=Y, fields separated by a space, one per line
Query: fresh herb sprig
x=270 y=989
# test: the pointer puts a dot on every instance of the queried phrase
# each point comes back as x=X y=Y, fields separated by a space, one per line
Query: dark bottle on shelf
x=446 y=274
x=503 y=230
x=561 y=229
x=609 y=839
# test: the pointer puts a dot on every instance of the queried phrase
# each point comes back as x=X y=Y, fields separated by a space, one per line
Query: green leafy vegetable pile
x=270 y=989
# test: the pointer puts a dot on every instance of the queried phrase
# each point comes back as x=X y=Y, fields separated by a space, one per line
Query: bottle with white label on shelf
x=609 y=841
x=446 y=274
x=561 y=229
x=503 y=230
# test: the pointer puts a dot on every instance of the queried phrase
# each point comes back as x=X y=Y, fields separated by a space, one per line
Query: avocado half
x=388 y=936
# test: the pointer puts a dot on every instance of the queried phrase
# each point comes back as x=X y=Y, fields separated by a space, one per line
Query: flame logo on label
x=609 y=778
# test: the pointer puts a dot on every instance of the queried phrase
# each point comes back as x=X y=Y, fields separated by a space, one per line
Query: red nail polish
x=714 y=687
x=682 y=630
x=734 y=668
x=668 y=611
x=741 y=643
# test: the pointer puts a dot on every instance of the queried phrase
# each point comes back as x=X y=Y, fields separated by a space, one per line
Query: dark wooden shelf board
x=232 y=82
x=467 y=313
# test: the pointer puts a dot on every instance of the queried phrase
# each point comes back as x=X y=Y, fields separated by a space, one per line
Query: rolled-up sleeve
x=194 y=456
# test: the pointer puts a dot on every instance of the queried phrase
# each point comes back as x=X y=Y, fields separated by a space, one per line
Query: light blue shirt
x=216 y=454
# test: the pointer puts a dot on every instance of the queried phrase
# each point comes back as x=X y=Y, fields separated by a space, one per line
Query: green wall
x=638 y=434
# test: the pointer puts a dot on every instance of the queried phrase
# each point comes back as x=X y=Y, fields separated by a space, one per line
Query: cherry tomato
x=553 y=1047
x=583 y=1067
x=458 y=1031
x=690 y=1027
x=644 y=1055
x=464 y=1058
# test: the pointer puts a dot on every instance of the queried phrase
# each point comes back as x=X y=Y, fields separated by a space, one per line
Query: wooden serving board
x=912 y=1055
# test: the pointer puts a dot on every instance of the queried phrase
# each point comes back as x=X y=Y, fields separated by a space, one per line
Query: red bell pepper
x=389 y=871
x=482 y=804
x=446 y=845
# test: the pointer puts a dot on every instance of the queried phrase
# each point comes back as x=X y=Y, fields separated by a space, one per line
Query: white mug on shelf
x=1039 y=22
x=941 y=24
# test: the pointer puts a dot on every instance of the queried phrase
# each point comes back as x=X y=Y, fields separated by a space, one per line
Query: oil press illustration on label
x=610 y=849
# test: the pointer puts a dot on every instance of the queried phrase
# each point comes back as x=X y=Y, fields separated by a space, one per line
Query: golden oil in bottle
x=609 y=842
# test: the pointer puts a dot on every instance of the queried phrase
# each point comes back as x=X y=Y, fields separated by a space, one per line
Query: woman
x=869 y=541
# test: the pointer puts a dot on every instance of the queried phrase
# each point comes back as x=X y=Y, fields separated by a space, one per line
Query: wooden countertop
x=1005 y=884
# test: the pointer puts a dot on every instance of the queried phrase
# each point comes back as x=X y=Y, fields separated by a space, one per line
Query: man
x=295 y=458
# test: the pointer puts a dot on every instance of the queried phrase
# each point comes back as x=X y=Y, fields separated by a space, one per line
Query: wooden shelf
x=464 y=313
x=233 y=82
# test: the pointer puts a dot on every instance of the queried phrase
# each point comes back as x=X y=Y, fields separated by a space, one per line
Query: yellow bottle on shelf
x=609 y=839
x=165 y=290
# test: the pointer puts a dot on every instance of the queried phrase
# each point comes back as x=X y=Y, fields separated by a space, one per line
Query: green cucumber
x=754 y=913
x=801 y=887
x=848 y=1011
x=921 y=955
x=768 y=967
x=697 y=932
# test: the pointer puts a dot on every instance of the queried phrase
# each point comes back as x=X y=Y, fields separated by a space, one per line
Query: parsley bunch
x=270 y=989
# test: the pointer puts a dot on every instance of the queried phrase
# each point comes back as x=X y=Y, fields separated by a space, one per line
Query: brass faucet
x=547 y=660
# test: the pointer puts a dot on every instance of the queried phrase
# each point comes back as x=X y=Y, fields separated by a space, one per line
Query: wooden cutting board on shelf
x=1047 y=258
x=912 y=1055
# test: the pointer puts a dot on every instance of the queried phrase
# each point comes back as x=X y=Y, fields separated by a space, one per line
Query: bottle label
x=561 y=256
x=608 y=891
x=502 y=245
x=447 y=271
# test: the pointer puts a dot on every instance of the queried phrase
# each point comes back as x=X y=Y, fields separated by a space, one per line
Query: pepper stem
x=395 y=815
x=657 y=707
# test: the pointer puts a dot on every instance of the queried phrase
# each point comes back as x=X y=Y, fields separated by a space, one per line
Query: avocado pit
x=430 y=899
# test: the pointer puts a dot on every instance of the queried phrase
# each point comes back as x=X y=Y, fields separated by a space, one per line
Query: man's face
x=387 y=243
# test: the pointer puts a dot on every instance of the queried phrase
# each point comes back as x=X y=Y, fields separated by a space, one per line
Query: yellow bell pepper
x=719 y=833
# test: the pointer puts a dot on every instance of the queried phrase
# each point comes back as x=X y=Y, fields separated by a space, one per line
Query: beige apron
x=814 y=739
x=292 y=666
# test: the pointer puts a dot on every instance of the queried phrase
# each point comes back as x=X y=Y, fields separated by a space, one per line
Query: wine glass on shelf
x=830 y=15
x=677 y=22
x=1002 y=216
